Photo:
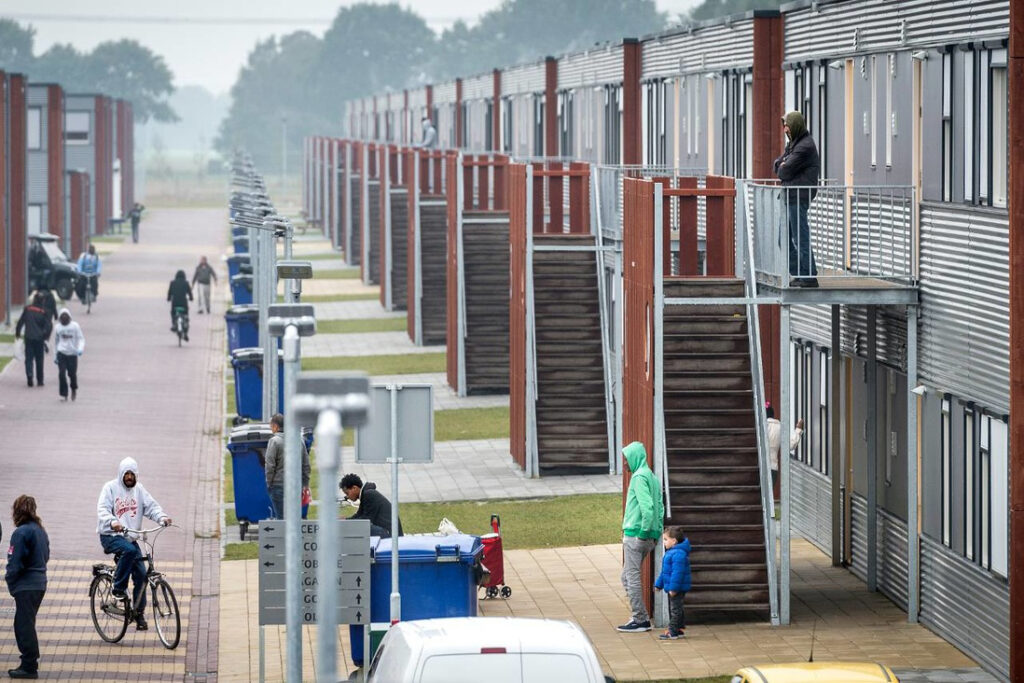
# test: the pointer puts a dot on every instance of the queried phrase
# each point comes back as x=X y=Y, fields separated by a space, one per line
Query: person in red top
x=36 y=324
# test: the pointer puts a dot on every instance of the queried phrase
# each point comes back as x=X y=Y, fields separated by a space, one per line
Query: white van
x=486 y=650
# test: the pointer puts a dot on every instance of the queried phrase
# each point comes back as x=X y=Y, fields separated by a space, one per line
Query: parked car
x=492 y=649
x=49 y=267
x=816 y=672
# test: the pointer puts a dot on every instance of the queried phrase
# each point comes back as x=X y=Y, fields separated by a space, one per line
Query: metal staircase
x=484 y=294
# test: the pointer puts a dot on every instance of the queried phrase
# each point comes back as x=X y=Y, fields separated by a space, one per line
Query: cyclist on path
x=90 y=266
x=179 y=294
x=122 y=505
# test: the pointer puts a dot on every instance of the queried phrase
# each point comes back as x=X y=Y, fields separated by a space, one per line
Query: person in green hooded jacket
x=642 y=524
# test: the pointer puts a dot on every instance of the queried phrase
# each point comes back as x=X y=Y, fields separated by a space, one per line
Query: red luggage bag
x=494 y=561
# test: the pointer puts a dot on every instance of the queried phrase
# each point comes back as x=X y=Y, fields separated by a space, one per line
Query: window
x=824 y=386
x=565 y=121
x=613 y=124
x=76 y=128
x=947 y=127
x=35 y=128
x=999 y=484
x=35 y=219
x=506 y=125
x=873 y=114
x=489 y=126
x=538 y=125
x=821 y=115
x=947 y=469
x=735 y=133
x=967 y=97
x=890 y=113
x=998 y=129
x=983 y=154
x=969 y=479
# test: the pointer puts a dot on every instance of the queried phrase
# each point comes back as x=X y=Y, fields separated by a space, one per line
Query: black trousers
x=26 y=605
x=67 y=369
x=34 y=352
x=676 y=618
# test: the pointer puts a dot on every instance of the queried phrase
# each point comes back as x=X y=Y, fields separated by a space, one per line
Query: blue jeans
x=276 y=494
x=130 y=564
x=801 y=259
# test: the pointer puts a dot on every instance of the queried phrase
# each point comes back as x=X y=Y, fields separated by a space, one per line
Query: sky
x=206 y=42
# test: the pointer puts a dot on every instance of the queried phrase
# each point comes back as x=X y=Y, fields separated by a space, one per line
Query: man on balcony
x=799 y=168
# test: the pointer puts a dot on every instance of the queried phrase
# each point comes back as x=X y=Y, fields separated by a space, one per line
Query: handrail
x=532 y=464
x=754 y=345
x=609 y=401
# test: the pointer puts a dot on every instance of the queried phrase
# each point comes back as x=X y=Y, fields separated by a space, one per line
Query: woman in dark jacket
x=26 y=581
x=179 y=294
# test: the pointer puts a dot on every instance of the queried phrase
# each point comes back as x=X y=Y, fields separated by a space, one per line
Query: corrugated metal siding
x=814 y=323
x=891 y=551
x=879 y=25
x=444 y=93
x=966 y=605
x=811 y=500
x=965 y=316
x=594 y=67
x=525 y=78
x=417 y=98
x=881 y=240
x=710 y=48
x=478 y=87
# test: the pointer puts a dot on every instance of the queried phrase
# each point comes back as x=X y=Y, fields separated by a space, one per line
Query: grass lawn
x=232 y=407
x=567 y=521
x=392 y=364
x=325 y=256
x=6 y=338
x=327 y=298
x=340 y=274
x=361 y=325
x=471 y=423
x=4 y=360
x=109 y=239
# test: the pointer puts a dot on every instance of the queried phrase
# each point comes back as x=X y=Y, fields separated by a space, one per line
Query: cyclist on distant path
x=179 y=294
x=89 y=265
x=122 y=504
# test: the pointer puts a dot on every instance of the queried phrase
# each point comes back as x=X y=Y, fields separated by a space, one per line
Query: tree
x=16 y=44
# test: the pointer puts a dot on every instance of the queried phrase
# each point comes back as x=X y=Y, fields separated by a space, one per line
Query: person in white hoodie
x=70 y=343
x=122 y=505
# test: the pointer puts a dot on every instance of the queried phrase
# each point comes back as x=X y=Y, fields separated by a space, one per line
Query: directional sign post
x=352 y=584
x=401 y=430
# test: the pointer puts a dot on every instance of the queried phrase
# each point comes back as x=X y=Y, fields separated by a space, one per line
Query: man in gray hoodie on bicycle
x=122 y=505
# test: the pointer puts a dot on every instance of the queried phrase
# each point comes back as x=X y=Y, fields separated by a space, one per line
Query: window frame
x=38 y=128
x=68 y=132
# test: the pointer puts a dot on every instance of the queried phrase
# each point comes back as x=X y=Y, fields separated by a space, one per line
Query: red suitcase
x=494 y=561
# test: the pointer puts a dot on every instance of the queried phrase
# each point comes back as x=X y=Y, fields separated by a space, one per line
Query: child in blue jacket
x=675 y=578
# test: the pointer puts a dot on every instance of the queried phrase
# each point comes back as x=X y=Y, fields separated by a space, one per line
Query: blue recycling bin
x=243 y=326
x=248 y=445
x=234 y=263
x=241 y=244
x=437 y=577
x=248 y=366
x=241 y=289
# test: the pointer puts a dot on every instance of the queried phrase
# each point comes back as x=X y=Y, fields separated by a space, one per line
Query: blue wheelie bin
x=235 y=261
x=241 y=244
x=437 y=577
x=243 y=326
x=241 y=289
x=248 y=366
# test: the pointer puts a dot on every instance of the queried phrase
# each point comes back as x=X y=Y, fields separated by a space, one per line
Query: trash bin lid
x=247 y=433
x=241 y=277
x=454 y=548
x=252 y=354
x=244 y=310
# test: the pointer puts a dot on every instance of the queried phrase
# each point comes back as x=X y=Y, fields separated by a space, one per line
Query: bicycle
x=87 y=295
x=111 y=615
x=181 y=323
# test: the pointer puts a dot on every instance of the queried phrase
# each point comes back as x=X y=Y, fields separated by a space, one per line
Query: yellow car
x=816 y=672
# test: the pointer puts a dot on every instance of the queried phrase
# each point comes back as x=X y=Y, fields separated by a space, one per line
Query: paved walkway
x=582 y=584
x=363 y=344
x=445 y=398
x=140 y=396
x=353 y=310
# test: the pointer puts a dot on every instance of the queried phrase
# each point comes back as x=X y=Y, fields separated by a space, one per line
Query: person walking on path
x=642 y=523
x=69 y=343
x=135 y=215
x=179 y=293
x=799 y=167
x=36 y=324
x=372 y=505
x=274 y=466
x=202 y=276
x=49 y=302
x=90 y=266
x=122 y=504
x=26 y=581
x=674 y=579
x=775 y=445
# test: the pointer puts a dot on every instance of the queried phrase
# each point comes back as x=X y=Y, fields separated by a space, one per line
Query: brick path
x=140 y=396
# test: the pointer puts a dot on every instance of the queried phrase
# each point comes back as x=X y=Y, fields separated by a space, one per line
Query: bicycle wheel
x=109 y=614
x=165 y=614
x=88 y=299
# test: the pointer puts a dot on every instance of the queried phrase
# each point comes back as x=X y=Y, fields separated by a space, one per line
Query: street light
x=335 y=402
x=292 y=321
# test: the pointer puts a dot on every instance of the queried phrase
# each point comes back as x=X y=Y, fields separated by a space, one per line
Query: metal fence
x=833 y=232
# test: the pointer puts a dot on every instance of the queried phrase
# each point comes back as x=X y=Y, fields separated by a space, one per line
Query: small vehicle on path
x=49 y=267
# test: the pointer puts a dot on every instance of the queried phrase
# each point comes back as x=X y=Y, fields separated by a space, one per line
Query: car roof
x=818 y=672
x=44 y=237
x=516 y=634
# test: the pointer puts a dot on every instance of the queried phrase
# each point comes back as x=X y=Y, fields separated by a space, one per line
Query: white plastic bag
x=447 y=527
x=19 y=349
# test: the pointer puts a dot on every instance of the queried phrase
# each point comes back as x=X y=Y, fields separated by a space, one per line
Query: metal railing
x=832 y=232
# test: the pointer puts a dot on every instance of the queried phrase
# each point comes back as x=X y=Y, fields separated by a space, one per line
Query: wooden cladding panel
x=517 y=313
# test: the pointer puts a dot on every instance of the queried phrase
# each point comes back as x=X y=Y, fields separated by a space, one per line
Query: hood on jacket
x=636 y=455
x=63 y=311
x=127 y=465
x=683 y=545
x=180 y=275
x=797 y=126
